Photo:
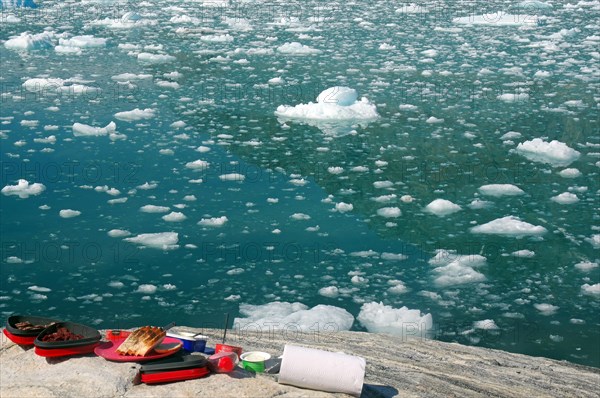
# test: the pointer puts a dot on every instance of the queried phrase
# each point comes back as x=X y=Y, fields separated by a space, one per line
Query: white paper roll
x=322 y=370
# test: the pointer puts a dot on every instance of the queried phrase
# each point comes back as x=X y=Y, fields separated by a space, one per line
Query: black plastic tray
x=177 y=362
x=90 y=336
x=12 y=320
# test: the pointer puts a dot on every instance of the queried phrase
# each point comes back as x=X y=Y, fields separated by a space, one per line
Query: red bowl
x=176 y=375
x=65 y=352
x=228 y=348
x=21 y=340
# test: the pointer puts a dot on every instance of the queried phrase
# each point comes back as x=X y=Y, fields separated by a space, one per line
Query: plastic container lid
x=175 y=363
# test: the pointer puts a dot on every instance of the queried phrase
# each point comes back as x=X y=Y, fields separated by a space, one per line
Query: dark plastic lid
x=90 y=335
x=12 y=321
x=175 y=363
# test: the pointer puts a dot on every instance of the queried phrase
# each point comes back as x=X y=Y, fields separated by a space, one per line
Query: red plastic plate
x=65 y=352
x=21 y=340
x=108 y=351
x=176 y=375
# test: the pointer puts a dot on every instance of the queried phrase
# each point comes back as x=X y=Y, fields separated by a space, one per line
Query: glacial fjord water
x=251 y=208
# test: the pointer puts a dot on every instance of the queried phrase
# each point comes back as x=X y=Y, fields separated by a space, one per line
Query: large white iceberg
x=293 y=316
x=161 y=240
x=554 y=153
x=509 y=226
x=27 y=41
x=380 y=318
x=80 y=129
x=334 y=104
x=24 y=189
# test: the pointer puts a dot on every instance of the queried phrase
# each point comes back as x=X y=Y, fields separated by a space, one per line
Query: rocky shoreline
x=395 y=367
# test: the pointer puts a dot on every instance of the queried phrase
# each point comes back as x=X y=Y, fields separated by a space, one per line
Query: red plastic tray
x=176 y=375
x=21 y=340
x=108 y=351
x=65 y=352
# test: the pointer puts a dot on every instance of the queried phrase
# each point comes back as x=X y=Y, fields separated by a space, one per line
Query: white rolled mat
x=322 y=370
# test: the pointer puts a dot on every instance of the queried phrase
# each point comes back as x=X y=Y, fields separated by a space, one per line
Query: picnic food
x=62 y=334
x=28 y=326
x=142 y=341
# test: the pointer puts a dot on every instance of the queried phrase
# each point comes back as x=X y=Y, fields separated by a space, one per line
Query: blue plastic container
x=190 y=343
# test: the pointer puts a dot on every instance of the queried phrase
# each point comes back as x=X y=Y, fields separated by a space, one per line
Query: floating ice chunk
x=213 y=222
x=513 y=97
x=295 y=48
x=236 y=271
x=393 y=256
x=531 y=6
x=442 y=207
x=217 y=38
x=80 y=129
x=154 y=209
x=332 y=104
x=118 y=233
x=570 y=173
x=39 y=289
x=586 y=266
x=509 y=226
x=174 y=216
x=554 y=153
x=460 y=271
x=160 y=240
x=389 y=212
x=14 y=260
x=123 y=77
x=434 y=120
x=43 y=85
x=523 y=253
x=546 y=309
x=380 y=318
x=300 y=216
x=592 y=290
x=284 y=316
x=136 y=114
x=329 y=291
x=232 y=177
x=116 y=284
x=398 y=287
x=197 y=165
x=477 y=204
x=511 y=135
x=27 y=41
x=499 y=190
x=146 y=289
x=386 y=47
x=565 y=198
x=486 y=324
x=155 y=58
x=594 y=240
x=344 y=207
x=24 y=189
x=69 y=213
x=86 y=41
x=497 y=19
x=343 y=96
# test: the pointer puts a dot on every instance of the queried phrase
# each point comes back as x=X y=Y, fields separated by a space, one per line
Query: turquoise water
x=228 y=106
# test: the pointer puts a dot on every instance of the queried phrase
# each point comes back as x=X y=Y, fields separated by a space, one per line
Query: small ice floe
x=457 y=269
x=554 y=153
x=118 y=233
x=344 y=207
x=136 y=114
x=498 y=190
x=174 y=216
x=570 y=173
x=509 y=226
x=586 y=266
x=380 y=318
x=197 y=165
x=28 y=41
x=24 y=189
x=69 y=213
x=213 y=222
x=281 y=316
x=565 y=198
x=523 y=253
x=389 y=212
x=546 y=309
x=146 y=289
x=591 y=290
x=154 y=209
x=150 y=58
x=80 y=129
x=442 y=207
x=329 y=291
x=160 y=240
x=295 y=48
x=486 y=324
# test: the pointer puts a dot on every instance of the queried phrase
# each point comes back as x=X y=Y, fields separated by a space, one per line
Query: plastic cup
x=223 y=362
x=228 y=348
x=255 y=361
